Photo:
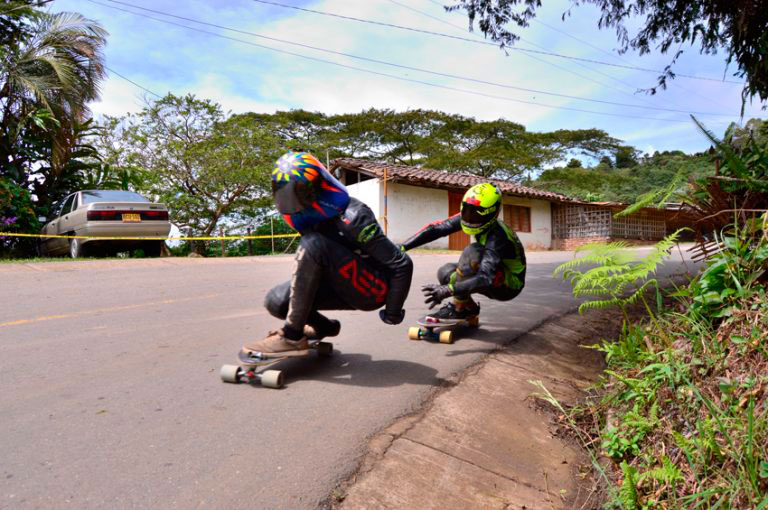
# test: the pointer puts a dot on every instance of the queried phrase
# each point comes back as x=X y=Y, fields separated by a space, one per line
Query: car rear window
x=90 y=197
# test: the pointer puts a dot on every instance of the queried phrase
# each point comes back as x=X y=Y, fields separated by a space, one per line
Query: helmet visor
x=292 y=197
x=474 y=216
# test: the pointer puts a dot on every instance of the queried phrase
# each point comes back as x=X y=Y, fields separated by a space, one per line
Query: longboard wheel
x=446 y=337
x=474 y=322
x=229 y=373
x=414 y=333
x=272 y=379
x=324 y=349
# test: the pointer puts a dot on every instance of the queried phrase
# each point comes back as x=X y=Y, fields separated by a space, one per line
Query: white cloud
x=118 y=97
x=245 y=78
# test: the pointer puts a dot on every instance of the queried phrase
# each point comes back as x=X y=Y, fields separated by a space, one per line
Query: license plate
x=131 y=217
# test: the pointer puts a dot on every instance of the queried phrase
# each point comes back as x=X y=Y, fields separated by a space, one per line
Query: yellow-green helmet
x=480 y=208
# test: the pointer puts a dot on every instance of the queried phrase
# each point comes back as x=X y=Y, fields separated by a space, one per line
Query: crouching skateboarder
x=343 y=262
x=494 y=265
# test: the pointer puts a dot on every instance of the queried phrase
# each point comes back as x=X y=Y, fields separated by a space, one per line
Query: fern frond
x=668 y=473
x=628 y=490
x=635 y=296
x=599 y=304
x=583 y=261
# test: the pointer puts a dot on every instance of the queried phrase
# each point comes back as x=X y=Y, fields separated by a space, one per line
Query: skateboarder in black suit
x=343 y=262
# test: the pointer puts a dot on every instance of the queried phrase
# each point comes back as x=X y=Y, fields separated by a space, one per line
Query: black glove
x=435 y=294
x=392 y=319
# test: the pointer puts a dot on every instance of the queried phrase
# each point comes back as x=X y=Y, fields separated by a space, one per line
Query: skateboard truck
x=427 y=326
x=248 y=369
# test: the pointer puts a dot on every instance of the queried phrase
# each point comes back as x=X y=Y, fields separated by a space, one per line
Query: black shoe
x=448 y=313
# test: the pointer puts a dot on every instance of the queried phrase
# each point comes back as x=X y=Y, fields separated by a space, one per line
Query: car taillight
x=154 y=215
x=103 y=215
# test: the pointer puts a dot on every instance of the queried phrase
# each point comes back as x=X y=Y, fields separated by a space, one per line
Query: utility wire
x=377 y=73
x=487 y=43
x=544 y=61
x=411 y=68
x=612 y=55
x=618 y=57
x=131 y=81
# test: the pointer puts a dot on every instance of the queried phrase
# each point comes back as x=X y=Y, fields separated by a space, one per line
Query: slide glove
x=434 y=294
x=392 y=319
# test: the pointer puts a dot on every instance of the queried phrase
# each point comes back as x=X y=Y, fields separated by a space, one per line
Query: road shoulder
x=485 y=442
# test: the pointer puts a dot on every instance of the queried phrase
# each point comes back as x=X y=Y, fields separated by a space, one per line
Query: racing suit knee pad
x=277 y=300
x=445 y=272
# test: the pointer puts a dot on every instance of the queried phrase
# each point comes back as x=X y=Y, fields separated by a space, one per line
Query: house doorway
x=458 y=240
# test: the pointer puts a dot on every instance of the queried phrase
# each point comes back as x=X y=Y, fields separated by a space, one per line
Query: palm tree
x=48 y=74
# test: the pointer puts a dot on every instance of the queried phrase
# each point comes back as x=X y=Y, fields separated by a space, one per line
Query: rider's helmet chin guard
x=305 y=192
x=479 y=208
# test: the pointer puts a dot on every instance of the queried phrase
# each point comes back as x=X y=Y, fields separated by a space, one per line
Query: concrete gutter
x=485 y=442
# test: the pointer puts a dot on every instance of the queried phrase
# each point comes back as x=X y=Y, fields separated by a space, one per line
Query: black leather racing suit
x=344 y=263
x=494 y=265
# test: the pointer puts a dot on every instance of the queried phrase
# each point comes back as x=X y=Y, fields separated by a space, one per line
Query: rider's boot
x=276 y=345
x=456 y=312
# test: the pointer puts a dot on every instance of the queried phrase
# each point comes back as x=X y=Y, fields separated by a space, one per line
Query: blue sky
x=242 y=77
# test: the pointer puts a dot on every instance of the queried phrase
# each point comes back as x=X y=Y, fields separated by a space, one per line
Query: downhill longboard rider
x=343 y=262
x=493 y=265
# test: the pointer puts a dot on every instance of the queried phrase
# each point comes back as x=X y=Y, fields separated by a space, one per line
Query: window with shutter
x=518 y=218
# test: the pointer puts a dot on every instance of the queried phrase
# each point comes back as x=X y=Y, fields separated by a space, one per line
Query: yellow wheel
x=413 y=333
x=446 y=337
x=473 y=322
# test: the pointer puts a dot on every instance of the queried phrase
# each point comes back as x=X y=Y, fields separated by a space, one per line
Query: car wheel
x=75 y=248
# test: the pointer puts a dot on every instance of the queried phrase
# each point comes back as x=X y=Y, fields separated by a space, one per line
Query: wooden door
x=458 y=240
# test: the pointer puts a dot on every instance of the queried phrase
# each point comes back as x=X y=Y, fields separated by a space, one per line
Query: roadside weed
x=682 y=408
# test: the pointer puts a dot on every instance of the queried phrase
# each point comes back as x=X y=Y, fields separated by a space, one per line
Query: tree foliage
x=604 y=183
x=50 y=68
x=184 y=152
x=499 y=148
x=736 y=26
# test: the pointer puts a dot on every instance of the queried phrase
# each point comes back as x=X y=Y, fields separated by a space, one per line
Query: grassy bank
x=682 y=409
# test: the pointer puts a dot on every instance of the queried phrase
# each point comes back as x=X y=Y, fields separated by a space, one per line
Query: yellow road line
x=103 y=310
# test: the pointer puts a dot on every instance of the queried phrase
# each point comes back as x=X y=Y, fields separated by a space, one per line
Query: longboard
x=426 y=326
x=252 y=365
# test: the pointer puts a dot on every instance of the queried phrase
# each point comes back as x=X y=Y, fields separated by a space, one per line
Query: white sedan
x=107 y=213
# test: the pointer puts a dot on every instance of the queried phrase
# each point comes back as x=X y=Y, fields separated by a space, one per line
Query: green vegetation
x=611 y=183
x=682 y=408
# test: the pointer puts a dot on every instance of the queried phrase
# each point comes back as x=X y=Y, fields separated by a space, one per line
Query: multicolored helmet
x=479 y=208
x=305 y=192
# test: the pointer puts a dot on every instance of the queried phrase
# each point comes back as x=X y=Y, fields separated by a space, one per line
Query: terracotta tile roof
x=441 y=179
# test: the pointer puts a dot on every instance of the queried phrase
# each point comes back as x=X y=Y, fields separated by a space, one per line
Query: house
x=406 y=198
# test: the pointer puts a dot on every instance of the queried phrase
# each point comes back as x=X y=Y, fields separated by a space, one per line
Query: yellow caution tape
x=147 y=238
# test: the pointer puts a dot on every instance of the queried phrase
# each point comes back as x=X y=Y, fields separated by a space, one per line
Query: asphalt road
x=110 y=395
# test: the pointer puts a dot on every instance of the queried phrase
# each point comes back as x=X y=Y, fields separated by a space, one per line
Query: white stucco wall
x=540 y=236
x=411 y=207
x=368 y=193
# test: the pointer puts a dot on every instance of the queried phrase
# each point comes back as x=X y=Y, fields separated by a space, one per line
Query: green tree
x=737 y=26
x=50 y=68
x=626 y=157
x=204 y=167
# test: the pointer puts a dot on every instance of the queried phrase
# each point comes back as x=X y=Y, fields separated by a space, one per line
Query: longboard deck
x=250 y=367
